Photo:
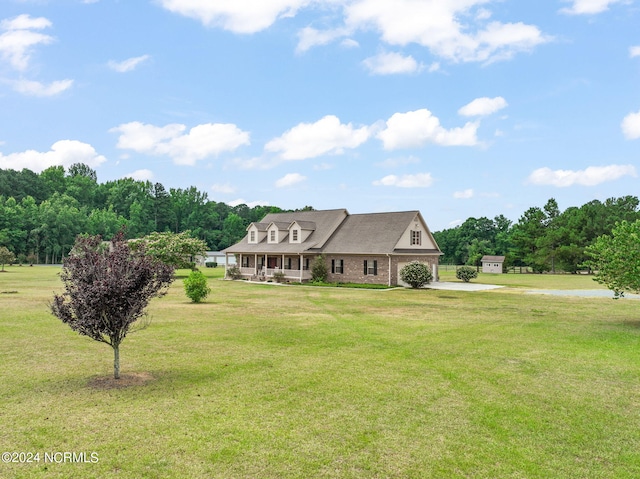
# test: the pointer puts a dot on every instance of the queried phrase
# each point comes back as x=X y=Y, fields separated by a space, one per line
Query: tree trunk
x=116 y=361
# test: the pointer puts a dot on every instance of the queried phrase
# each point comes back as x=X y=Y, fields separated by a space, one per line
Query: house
x=492 y=264
x=359 y=248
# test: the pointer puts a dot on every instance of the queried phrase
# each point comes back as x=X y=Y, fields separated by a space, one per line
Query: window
x=371 y=267
x=272 y=236
x=245 y=261
x=337 y=266
x=307 y=262
x=294 y=235
x=416 y=238
x=287 y=263
x=252 y=236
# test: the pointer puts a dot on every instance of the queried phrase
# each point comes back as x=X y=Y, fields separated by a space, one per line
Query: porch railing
x=291 y=274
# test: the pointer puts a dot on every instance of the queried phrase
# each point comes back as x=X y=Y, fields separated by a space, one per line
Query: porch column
x=241 y=263
x=255 y=263
x=301 y=260
x=282 y=264
x=226 y=263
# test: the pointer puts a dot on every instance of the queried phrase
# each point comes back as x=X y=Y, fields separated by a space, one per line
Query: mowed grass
x=271 y=381
x=531 y=281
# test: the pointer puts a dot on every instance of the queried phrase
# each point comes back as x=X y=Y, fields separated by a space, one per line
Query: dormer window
x=252 y=236
x=294 y=235
x=272 y=236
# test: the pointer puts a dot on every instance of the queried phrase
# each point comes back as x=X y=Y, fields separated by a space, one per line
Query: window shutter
x=375 y=267
x=365 y=267
x=333 y=266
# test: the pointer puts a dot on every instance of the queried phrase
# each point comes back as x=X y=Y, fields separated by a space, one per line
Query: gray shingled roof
x=306 y=225
x=373 y=233
x=337 y=232
x=492 y=259
x=260 y=226
x=326 y=222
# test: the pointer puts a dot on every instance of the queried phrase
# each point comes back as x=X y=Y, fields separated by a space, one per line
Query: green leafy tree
x=616 y=259
x=319 y=270
x=416 y=274
x=466 y=273
x=176 y=249
x=195 y=286
x=6 y=256
x=107 y=289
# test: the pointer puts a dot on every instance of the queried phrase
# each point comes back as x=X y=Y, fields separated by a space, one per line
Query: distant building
x=492 y=264
x=215 y=257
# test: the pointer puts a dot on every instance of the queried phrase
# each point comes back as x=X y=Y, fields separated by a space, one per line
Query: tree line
x=543 y=239
x=42 y=213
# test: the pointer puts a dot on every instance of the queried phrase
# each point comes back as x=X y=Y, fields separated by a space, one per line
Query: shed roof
x=492 y=259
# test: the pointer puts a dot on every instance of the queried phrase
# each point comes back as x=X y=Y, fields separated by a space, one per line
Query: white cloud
x=444 y=27
x=634 y=51
x=418 y=180
x=224 y=188
x=250 y=204
x=62 y=153
x=415 y=128
x=309 y=140
x=19 y=38
x=35 y=88
x=483 y=106
x=434 y=67
x=349 y=43
x=591 y=176
x=290 y=179
x=588 y=7
x=391 y=64
x=458 y=30
x=310 y=37
x=631 y=126
x=463 y=195
x=248 y=16
x=127 y=65
x=140 y=175
x=202 y=141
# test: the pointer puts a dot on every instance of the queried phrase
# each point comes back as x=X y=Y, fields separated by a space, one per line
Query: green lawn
x=531 y=281
x=271 y=381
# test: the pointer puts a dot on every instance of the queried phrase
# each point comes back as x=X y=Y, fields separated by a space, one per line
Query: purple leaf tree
x=107 y=288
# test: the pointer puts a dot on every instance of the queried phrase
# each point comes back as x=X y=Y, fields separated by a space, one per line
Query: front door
x=272 y=263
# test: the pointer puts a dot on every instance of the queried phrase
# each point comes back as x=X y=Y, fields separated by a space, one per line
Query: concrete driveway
x=451 y=286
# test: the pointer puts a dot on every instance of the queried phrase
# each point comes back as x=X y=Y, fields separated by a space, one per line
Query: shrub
x=195 y=286
x=211 y=264
x=234 y=272
x=466 y=273
x=279 y=276
x=319 y=270
x=416 y=274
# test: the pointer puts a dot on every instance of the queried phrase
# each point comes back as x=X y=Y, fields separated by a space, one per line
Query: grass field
x=270 y=381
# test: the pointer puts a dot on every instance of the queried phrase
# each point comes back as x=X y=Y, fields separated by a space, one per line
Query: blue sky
x=457 y=108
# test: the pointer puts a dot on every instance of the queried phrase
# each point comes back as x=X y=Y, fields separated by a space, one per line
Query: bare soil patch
x=125 y=381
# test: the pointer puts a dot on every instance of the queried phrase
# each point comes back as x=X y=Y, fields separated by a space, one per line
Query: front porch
x=270 y=267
